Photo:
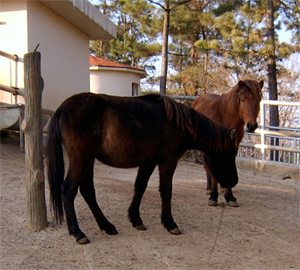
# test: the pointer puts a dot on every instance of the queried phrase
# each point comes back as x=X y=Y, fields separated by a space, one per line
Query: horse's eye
x=242 y=100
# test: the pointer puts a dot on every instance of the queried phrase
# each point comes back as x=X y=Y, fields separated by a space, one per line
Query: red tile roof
x=96 y=61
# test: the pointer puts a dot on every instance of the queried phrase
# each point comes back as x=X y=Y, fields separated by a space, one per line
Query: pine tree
x=136 y=37
x=212 y=43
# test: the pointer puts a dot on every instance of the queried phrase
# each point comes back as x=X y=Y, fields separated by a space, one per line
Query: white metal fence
x=272 y=143
x=13 y=75
x=269 y=143
x=8 y=111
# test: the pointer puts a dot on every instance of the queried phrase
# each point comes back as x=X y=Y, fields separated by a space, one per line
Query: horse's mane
x=253 y=87
x=214 y=135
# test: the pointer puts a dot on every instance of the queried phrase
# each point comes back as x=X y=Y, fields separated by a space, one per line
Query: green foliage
x=137 y=32
x=212 y=43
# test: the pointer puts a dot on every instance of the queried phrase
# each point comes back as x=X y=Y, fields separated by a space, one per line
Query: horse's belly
x=122 y=158
x=119 y=162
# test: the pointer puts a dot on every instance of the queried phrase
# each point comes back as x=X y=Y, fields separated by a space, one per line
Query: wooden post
x=32 y=128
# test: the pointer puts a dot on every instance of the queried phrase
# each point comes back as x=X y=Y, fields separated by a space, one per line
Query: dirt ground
x=263 y=233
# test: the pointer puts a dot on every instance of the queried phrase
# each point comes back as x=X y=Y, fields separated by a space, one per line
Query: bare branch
x=169 y=9
x=153 y=2
x=180 y=3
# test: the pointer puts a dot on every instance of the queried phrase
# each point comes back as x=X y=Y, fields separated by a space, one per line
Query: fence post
x=32 y=127
x=263 y=128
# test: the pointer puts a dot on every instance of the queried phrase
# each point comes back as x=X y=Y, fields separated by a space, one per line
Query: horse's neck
x=207 y=137
x=230 y=111
x=239 y=136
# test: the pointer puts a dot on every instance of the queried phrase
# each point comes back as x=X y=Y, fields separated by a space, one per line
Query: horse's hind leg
x=69 y=192
x=87 y=190
x=140 y=186
x=208 y=184
x=213 y=199
x=212 y=185
x=208 y=176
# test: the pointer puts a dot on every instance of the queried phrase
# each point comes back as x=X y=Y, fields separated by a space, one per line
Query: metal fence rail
x=272 y=143
x=7 y=111
x=278 y=144
x=13 y=80
x=286 y=150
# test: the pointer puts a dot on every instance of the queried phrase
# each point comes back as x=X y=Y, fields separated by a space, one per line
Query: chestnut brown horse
x=129 y=132
x=236 y=108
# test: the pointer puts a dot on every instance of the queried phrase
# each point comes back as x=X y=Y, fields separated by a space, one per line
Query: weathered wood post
x=32 y=127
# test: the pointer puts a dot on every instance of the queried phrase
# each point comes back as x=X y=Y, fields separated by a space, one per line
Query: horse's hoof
x=233 y=203
x=175 y=231
x=141 y=227
x=208 y=192
x=212 y=203
x=112 y=232
x=83 y=241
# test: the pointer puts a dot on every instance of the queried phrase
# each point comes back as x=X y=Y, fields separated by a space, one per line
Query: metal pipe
x=278 y=133
x=12 y=90
x=277 y=102
x=13 y=57
x=262 y=135
x=183 y=97
x=271 y=147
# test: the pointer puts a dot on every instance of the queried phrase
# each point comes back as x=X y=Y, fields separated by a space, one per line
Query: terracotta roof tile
x=96 y=61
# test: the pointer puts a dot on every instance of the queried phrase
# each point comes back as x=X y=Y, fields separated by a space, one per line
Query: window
x=135 y=89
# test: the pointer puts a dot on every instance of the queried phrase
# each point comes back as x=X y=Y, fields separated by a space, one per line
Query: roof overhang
x=84 y=16
x=141 y=72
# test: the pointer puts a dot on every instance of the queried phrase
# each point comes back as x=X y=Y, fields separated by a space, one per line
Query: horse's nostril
x=250 y=127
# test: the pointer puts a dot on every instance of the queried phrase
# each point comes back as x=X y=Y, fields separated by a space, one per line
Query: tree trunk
x=32 y=127
x=273 y=95
x=164 y=62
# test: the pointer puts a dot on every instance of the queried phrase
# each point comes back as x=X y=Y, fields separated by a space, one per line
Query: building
x=63 y=30
x=112 y=78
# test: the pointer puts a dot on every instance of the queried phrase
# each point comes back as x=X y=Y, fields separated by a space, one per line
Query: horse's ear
x=241 y=84
x=261 y=84
x=232 y=133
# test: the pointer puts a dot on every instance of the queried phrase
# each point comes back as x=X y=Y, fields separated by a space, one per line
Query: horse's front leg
x=213 y=199
x=230 y=199
x=140 y=186
x=166 y=172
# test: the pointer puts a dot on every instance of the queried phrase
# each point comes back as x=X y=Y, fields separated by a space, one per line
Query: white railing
x=13 y=80
x=7 y=111
x=272 y=143
x=260 y=145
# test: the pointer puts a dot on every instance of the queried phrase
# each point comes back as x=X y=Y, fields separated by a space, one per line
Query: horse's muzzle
x=250 y=127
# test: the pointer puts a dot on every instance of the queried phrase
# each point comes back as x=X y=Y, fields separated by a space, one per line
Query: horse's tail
x=56 y=168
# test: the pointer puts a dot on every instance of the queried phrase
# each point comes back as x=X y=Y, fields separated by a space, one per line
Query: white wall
x=64 y=49
x=65 y=54
x=118 y=83
x=13 y=40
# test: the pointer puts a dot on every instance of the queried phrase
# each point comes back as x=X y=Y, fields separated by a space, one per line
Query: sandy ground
x=263 y=233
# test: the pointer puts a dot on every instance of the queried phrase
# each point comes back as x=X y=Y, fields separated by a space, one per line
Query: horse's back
x=119 y=131
x=90 y=108
x=85 y=111
x=208 y=105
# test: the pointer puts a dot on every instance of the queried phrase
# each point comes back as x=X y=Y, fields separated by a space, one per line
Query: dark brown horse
x=236 y=108
x=129 y=132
